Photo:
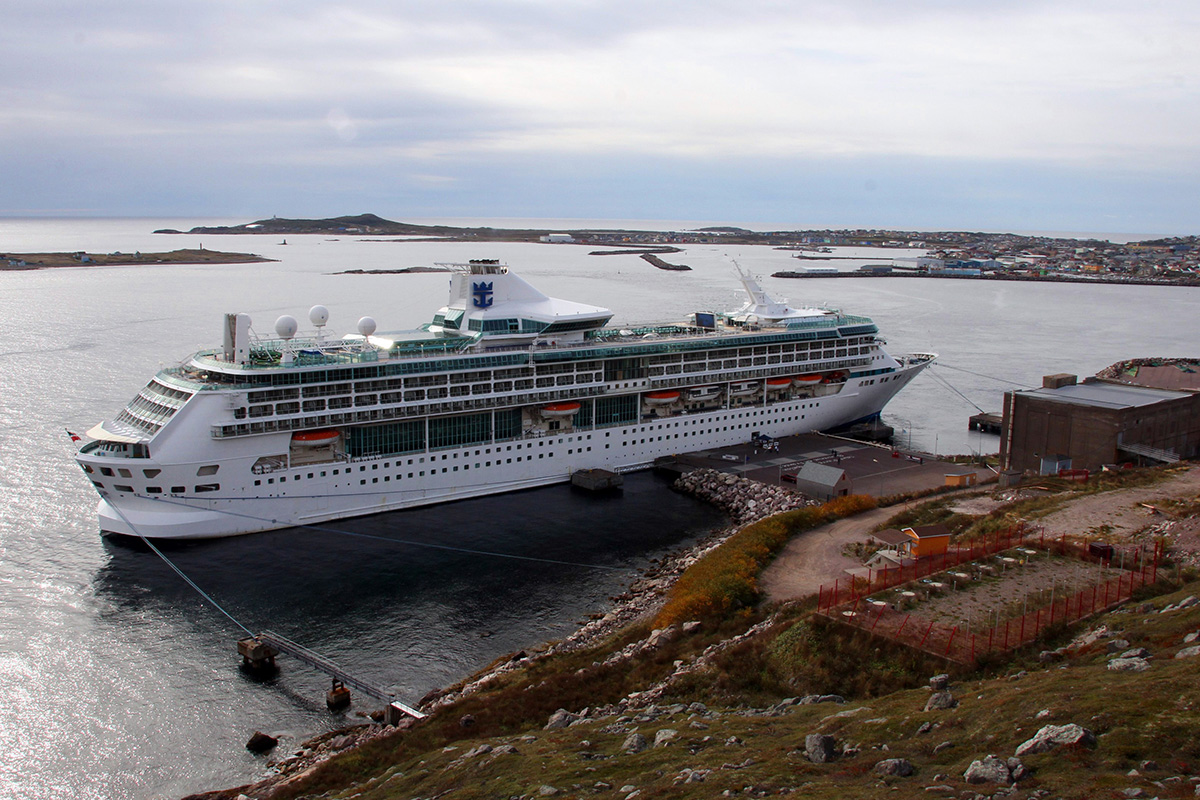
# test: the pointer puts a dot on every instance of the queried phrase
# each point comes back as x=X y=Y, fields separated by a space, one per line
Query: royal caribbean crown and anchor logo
x=483 y=294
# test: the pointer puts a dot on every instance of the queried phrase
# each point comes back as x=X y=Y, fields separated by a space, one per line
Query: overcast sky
x=931 y=114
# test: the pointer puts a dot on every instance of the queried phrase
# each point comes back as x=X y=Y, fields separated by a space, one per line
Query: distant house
x=558 y=238
x=902 y=546
x=822 y=482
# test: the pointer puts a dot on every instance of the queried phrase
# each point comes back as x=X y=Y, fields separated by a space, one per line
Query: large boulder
x=560 y=719
x=634 y=743
x=820 y=748
x=1128 y=665
x=261 y=742
x=940 y=700
x=988 y=770
x=1054 y=736
x=900 y=767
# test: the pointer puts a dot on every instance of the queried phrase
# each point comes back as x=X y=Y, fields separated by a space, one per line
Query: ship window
x=153 y=490
x=363 y=482
x=122 y=488
x=322 y=474
x=310 y=474
x=270 y=480
x=209 y=469
x=410 y=474
x=208 y=487
x=374 y=480
x=151 y=473
x=178 y=489
x=98 y=484
x=258 y=483
x=106 y=471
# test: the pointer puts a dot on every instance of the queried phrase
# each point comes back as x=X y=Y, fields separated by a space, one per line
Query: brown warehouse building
x=1071 y=425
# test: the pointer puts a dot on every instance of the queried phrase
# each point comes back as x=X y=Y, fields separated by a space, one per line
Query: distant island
x=13 y=262
x=960 y=254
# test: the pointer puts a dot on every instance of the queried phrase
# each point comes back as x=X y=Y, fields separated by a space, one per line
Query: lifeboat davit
x=661 y=398
x=778 y=384
x=806 y=380
x=743 y=388
x=560 y=409
x=315 y=438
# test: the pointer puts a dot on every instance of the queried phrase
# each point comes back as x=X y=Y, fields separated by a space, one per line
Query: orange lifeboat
x=319 y=438
x=560 y=409
x=806 y=380
x=778 y=384
x=835 y=377
x=661 y=398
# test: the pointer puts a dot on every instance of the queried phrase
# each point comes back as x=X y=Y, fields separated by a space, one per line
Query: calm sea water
x=116 y=680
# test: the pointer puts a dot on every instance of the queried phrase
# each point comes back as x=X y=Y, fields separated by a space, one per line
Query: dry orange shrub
x=726 y=579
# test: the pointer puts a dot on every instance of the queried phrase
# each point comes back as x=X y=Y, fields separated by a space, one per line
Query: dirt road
x=814 y=558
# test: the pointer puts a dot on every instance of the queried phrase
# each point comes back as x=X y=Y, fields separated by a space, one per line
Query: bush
x=726 y=579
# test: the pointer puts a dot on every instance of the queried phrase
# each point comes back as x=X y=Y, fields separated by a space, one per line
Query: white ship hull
x=371 y=486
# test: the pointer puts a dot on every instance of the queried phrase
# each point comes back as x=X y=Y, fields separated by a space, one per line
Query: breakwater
x=742 y=499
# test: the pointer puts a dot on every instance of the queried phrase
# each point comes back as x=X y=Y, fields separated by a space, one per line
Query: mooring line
x=178 y=571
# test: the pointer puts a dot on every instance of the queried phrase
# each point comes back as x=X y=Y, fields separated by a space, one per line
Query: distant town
x=950 y=254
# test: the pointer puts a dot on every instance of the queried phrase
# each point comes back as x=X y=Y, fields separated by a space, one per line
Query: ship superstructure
x=505 y=389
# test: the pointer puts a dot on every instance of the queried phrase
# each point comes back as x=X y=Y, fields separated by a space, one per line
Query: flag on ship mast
x=75 y=437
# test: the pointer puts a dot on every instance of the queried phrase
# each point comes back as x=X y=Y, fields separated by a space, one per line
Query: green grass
x=1146 y=716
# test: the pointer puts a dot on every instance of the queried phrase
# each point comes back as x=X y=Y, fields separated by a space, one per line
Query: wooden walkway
x=320 y=662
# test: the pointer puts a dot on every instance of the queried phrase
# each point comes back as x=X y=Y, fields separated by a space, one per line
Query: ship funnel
x=237 y=338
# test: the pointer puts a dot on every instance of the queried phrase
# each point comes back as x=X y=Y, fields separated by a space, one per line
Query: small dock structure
x=597 y=480
x=260 y=651
x=988 y=422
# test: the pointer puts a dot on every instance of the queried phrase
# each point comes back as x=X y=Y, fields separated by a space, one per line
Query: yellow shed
x=929 y=540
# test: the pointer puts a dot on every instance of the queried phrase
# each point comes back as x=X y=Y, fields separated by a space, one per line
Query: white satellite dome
x=366 y=326
x=286 y=326
x=318 y=315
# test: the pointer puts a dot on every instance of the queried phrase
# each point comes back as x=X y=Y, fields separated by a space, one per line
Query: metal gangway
x=1154 y=453
x=314 y=659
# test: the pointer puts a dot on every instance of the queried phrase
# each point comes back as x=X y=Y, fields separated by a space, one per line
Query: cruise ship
x=505 y=389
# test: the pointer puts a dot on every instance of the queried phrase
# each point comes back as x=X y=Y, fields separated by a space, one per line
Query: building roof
x=1175 y=373
x=820 y=474
x=929 y=531
x=1106 y=395
x=891 y=536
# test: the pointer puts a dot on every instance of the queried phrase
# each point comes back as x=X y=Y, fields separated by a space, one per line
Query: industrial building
x=1067 y=424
